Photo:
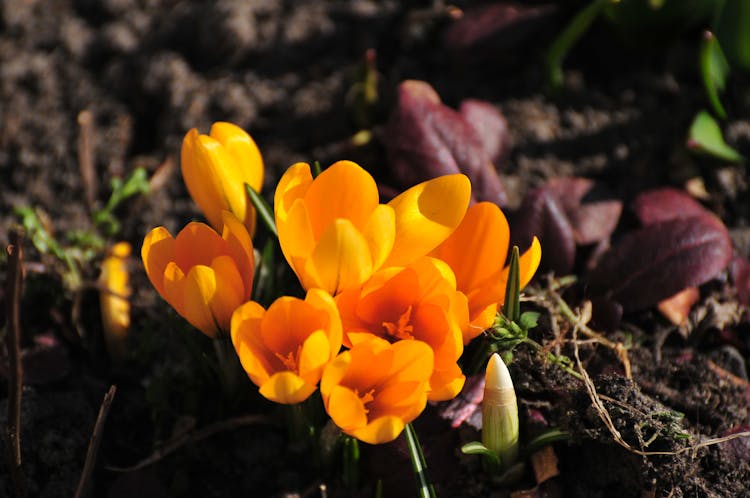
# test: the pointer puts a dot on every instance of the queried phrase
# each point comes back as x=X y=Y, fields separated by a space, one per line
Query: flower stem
x=350 y=462
x=424 y=485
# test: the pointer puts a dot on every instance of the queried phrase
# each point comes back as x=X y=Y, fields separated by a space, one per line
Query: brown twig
x=96 y=439
x=194 y=437
x=86 y=158
x=601 y=410
x=12 y=342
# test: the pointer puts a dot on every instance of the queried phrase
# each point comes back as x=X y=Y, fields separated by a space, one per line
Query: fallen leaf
x=425 y=139
x=544 y=463
x=655 y=262
x=677 y=308
x=739 y=271
x=666 y=204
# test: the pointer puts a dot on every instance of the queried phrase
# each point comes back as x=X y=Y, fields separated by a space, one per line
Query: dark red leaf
x=661 y=259
x=490 y=126
x=542 y=215
x=467 y=406
x=496 y=26
x=739 y=270
x=665 y=204
x=591 y=214
x=425 y=139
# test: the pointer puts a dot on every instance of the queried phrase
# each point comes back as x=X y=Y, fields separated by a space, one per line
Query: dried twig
x=86 y=158
x=96 y=439
x=15 y=374
x=601 y=410
x=194 y=437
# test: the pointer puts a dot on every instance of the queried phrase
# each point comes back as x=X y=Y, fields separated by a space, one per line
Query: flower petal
x=254 y=356
x=229 y=292
x=346 y=408
x=286 y=388
x=343 y=190
x=157 y=251
x=200 y=288
x=315 y=354
x=292 y=186
x=239 y=245
x=321 y=300
x=380 y=233
x=381 y=430
x=197 y=244
x=243 y=150
x=426 y=215
x=340 y=261
x=295 y=236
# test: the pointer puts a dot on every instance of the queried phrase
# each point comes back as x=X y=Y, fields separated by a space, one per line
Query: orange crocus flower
x=284 y=350
x=216 y=167
x=476 y=252
x=417 y=302
x=334 y=232
x=202 y=275
x=373 y=390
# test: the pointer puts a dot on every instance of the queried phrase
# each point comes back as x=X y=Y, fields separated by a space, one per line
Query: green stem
x=569 y=36
x=424 y=485
x=350 y=464
x=263 y=209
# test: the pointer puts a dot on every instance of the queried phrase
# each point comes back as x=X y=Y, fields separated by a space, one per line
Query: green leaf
x=705 y=136
x=477 y=448
x=549 y=436
x=529 y=320
x=714 y=69
x=512 y=305
x=263 y=209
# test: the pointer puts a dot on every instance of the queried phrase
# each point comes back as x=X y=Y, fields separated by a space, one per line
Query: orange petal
x=201 y=160
x=446 y=383
x=239 y=245
x=381 y=430
x=157 y=251
x=380 y=233
x=200 y=287
x=296 y=236
x=346 y=408
x=229 y=292
x=333 y=373
x=426 y=215
x=174 y=287
x=254 y=356
x=292 y=186
x=529 y=261
x=314 y=355
x=485 y=234
x=321 y=300
x=341 y=260
x=343 y=190
x=197 y=244
x=286 y=388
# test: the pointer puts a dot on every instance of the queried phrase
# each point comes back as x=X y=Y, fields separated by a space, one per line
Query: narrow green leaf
x=705 y=136
x=512 y=305
x=477 y=448
x=424 y=485
x=714 y=69
x=265 y=213
x=547 y=437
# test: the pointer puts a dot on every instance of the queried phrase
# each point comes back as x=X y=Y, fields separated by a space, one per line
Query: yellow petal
x=340 y=261
x=346 y=409
x=381 y=430
x=200 y=162
x=286 y=388
x=157 y=251
x=246 y=339
x=380 y=233
x=292 y=186
x=333 y=373
x=343 y=190
x=426 y=215
x=315 y=354
x=200 y=287
x=229 y=292
x=240 y=248
x=446 y=383
x=477 y=249
x=321 y=300
x=197 y=244
x=244 y=152
x=296 y=237
x=529 y=262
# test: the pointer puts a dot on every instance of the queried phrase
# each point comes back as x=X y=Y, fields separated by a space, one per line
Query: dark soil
x=149 y=70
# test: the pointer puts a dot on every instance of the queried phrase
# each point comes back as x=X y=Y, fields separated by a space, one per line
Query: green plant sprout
x=135 y=184
x=705 y=137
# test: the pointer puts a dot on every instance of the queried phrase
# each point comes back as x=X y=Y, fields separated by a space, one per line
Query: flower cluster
x=403 y=286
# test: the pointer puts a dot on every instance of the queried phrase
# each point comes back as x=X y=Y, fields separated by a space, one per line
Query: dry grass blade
x=86 y=159
x=15 y=374
x=96 y=439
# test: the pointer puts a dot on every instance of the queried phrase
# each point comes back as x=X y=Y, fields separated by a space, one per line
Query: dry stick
x=86 y=159
x=601 y=410
x=12 y=342
x=96 y=439
x=187 y=438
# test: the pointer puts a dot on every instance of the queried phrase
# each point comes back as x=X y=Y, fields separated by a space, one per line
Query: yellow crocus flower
x=113 y=299
x=334 y=233
x=215 y=169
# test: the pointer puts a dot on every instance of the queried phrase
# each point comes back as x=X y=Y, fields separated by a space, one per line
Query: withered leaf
x=665 y=204
x=425 y=139
x=655 y=262
x=739 y=270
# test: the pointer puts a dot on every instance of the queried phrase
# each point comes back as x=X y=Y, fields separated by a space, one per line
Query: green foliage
x=265 y=212
x=732 y=28
x=705 y=136
x=135 y=184
x=714 y=70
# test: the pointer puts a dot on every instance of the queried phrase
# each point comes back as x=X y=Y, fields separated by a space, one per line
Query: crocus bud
x=500 y=413
x=113 y=298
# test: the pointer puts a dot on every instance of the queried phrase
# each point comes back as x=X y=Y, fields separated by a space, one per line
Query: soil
x=149 y=70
